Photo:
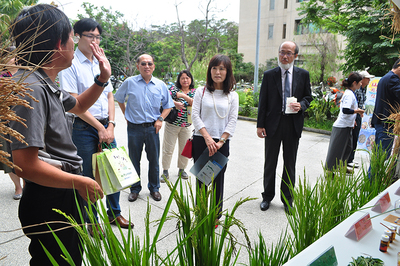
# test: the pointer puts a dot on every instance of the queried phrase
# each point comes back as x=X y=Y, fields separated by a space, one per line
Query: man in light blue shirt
x=142 y=111
x=97 y=124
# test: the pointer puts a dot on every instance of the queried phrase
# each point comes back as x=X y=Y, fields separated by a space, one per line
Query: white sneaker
x=353 y=165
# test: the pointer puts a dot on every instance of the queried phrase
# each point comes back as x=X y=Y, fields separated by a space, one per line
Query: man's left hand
x=157 y=125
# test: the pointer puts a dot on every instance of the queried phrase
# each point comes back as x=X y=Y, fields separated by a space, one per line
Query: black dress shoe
x=156 y=195
x=264 y=205
x=133 y=196
x=288 y=208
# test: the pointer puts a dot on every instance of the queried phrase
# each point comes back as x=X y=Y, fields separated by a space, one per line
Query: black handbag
x=172 y=116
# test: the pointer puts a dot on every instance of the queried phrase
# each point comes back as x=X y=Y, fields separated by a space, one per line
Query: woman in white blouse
x=340 y=144
x=214 y=116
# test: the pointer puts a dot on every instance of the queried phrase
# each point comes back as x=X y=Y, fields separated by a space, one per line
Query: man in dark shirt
x=50 y=164
x=387 y=98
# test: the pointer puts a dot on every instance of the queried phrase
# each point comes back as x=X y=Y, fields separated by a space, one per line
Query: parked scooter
x=327 y=93
x=116 y=83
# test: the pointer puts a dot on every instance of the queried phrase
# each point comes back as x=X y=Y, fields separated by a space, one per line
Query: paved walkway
x=243 y=179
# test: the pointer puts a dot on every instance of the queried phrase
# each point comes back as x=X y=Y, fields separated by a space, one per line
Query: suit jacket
x=387 y=97
x=270 y=100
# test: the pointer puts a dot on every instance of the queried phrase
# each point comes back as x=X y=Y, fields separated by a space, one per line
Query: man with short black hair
x=50 y=164
x=145 y=95
x=95 y=126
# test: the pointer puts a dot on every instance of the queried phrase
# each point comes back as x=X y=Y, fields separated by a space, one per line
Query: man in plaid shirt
x=361 y=97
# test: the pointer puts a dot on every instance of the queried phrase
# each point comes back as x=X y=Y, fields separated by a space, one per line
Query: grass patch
x=323 y=124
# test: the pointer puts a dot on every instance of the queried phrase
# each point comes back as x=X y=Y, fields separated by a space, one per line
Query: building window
x=271 y=4
x=304 y=28
x=284 y=31
x=270 y=31
x=285 y=4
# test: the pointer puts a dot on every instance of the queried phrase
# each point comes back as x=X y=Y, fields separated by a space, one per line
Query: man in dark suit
x=387 y=98
x=279 y=122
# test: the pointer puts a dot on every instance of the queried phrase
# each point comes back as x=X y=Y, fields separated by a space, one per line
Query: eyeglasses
x=146 y=63
x=287 y=54
x=75 y=39
x=98 y=37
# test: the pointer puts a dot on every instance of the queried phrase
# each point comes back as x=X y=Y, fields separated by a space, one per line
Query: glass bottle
x=384 y=243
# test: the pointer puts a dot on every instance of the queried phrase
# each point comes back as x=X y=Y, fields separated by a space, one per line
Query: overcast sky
x=143 y=13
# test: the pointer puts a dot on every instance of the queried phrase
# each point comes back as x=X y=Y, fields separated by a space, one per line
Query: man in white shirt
x=97 y=125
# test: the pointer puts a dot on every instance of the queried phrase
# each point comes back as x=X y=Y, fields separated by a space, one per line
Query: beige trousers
x=171 y=133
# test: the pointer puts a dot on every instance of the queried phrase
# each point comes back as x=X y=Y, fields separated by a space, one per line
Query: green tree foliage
x=202 y=40
x=321 y=61
x=9 y=9
x=122 y=45
x=365 y=24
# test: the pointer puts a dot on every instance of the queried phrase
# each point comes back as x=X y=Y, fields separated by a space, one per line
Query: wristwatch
x=112 y=122
x=101 y=84
x=223 y=140
x=161 y=118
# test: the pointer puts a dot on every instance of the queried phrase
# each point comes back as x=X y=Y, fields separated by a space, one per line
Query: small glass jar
x=384 y=243
x=393 y=229
x=389 y=234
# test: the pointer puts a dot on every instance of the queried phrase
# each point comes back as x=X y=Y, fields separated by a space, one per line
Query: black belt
x=103 y=121
x=145 y=124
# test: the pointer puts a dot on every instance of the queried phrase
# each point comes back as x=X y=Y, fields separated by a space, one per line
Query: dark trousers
x=199 y=145
x=356 y=132
x=286 y=135
x=140 y=135
x=36 y=207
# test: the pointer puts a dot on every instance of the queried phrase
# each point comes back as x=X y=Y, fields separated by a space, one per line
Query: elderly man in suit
x=278 y=123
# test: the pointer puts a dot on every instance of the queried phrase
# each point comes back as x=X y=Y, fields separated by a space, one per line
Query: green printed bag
x=100 y=174
x=119 y=168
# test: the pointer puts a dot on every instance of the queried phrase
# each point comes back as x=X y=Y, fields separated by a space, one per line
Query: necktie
x=287 y=89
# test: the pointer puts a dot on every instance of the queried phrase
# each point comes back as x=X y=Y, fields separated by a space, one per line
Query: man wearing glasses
x=142 y=111
x=96 y=125
x=281 y=120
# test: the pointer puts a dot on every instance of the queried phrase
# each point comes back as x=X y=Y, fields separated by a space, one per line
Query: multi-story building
x=279 y=21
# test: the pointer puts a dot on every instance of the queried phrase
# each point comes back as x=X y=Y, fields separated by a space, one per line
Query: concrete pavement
x=243 y=179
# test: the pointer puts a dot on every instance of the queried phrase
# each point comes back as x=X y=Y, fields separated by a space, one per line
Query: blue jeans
x=383 y=138
x=138 y=136
x=86 y=140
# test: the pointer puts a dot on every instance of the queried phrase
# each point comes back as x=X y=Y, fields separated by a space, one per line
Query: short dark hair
x=178 y=83
x=396 y=64
x=229 y=81
x=37 y=31
x=87 y=24
x=296 y=49
x=354 y=76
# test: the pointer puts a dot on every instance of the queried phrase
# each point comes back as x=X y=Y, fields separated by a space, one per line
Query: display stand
x=347 y=248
